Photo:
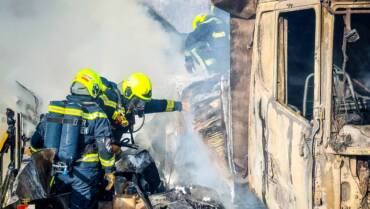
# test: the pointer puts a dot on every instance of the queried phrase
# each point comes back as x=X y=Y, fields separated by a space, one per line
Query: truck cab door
x=285 y=94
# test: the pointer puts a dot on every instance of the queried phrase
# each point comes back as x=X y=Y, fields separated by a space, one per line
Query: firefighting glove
x=116 y=149
x=111 y=178
x=185 y=106
x=120 y=119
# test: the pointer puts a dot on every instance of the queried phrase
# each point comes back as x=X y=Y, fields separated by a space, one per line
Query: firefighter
x=208 y=46
x=131 y=97
x=79 y=129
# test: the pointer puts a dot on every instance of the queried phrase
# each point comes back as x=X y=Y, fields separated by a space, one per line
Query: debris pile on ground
x=193 y=197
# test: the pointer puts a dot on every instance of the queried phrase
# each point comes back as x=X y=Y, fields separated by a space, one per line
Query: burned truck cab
x=348 y=128
x=309 y=119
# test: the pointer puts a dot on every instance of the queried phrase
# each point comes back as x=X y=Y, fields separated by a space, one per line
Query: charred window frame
x=351 y=67
x=296 y=61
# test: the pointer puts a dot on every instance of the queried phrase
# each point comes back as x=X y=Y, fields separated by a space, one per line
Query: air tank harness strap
x=75 y=122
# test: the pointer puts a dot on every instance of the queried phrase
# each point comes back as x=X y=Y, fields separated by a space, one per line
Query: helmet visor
x=136 y=104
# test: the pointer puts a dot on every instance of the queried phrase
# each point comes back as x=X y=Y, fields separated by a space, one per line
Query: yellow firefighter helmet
x=90 y=80
x=199 y=19
x=139 y=85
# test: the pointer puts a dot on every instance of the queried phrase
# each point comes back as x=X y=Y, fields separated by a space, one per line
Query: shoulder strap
x=75 y=122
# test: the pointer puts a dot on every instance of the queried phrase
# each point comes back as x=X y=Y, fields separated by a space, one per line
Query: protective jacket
x=113 y=105
x=209 y=44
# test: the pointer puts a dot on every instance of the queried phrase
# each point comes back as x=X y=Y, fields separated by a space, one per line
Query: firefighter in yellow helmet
x=208 y=46
x=200 y=18
x=86 y=83
x=127 y=99
x=80 y=130
x=133 y=96
x=136 y=91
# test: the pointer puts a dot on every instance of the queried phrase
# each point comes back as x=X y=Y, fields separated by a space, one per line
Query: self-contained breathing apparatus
x=126 y=118
x=64 y=125
x=129 y=128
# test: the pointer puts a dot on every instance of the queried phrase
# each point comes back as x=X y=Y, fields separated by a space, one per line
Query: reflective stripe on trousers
x=107 y=163
x=89 y=158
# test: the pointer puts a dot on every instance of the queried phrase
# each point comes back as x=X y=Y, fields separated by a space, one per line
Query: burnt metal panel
x=241 y=58
x=240 y=8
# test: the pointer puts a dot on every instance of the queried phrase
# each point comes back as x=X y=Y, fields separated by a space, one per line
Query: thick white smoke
x=195 y=163
x=191 y=8
x=44 y=43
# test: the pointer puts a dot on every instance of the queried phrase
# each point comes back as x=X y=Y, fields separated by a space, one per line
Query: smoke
x=194 y=163
x=182 y=156
x=44 y=43
x=190 y=7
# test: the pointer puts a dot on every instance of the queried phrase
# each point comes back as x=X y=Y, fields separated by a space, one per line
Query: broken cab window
x=296 y=49
x=351 y=68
